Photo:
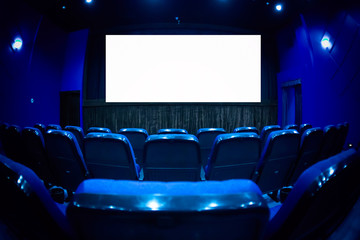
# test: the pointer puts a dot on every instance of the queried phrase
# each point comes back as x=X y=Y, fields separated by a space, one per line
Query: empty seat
x=110 y=155
x=137 y=137
x=343 y=129
x=265 y=133
x=329 y=142
x=303 y=127
x=64 y=153
x=172 y=157
x=34 y=150
x=78 y=133
x=105 y=209
x=246 y=129
x=277 y=158
x=41 y=127
x=53 y=126
x=206 y=137
x=320 y=199
x=98 y=129
x=13 y=143
x=26 y=206
x=292 y=126
x=172 y=131
x=234 y=155
x=310 y=145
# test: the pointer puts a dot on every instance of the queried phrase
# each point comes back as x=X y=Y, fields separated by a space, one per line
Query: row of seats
x=170 y=157
x=234 y=209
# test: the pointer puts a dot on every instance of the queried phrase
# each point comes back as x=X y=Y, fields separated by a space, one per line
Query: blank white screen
x=183 y=68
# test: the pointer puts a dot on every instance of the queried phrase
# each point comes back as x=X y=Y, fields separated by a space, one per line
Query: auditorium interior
x=184 y=145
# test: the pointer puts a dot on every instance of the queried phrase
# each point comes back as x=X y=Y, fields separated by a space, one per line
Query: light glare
x=325 y=42
x=17 y=44
x=278 y=7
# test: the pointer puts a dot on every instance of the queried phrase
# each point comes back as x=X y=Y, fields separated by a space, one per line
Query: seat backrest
x=265 y=132
x=110 y=155
x=26 y=205
x=309 y=150
x=13 y=143
x=329 y=142
x=320 y=199
x=34 y=150
x=206 y=137
x=41 y=127
x=172 y=131
x=234 y=155
x=137 y=138
x=246 y=129
x=98 y=129
x=78 y=133
x=303 y=127
x=233 y=209
x=343 y=129
x=64 y=153
x=292 y=126
x=53 y=126
x=172 y=157
x=277 y=158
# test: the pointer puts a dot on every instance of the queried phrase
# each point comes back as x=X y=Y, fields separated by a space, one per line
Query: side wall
x=330 y=79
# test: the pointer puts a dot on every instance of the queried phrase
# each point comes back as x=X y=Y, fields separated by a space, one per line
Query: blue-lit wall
x=330 y=78
x=50 y=61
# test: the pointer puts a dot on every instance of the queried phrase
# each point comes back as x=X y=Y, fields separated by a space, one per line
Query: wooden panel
x=188 y=116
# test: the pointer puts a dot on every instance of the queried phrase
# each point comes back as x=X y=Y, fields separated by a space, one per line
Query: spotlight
x=278 y=7
x=325 y=42
x=17 y=44
x=88 y=1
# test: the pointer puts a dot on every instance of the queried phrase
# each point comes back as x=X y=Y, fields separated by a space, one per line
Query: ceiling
x=254 y=15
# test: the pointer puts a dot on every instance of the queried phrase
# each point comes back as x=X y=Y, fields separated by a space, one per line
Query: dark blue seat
x=53 y=126
x=3 y=127
x=172 y=131
x=329 y=142
x=78 y=133
x=105 y=209
x=310 y=145
x=36 y=158
x=320 y=199
x=234 y=155
x=65 y=155
x=13 y=143
x=265 y=132
x=292 y=126
x=99 y=129
x=172 y=157
x=303 y=127
x=110 y=155
x=343 y=129
x=41 y=127
x=26 y=206
x=137 y=137
x=246 y=129
x=277 y=158
x=206 y=137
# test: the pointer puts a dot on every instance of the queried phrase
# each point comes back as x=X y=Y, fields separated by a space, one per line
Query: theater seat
x=343 y=129
x=329 y=142
x=41 y=127
x=277 y=158
x=108 y=209
x=234 y=155
x=78 y=133
x=265 y=132
x=319 y=201
x=64 y=153
x=310 y=145
x=172 y=157
x=26 y=206
x=3 y=127
x=13 y=143
x=292 y=126
x=303 y=127
x=53 y=126
x=98 y=129
x=172 y=131
x=137 y=137
x=206 y=137
x=246 y=129
x=36 y=158
x=110 y=155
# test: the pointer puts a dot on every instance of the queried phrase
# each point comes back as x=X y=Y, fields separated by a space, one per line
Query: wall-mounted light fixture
x=326 y=42
x=17 y=44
